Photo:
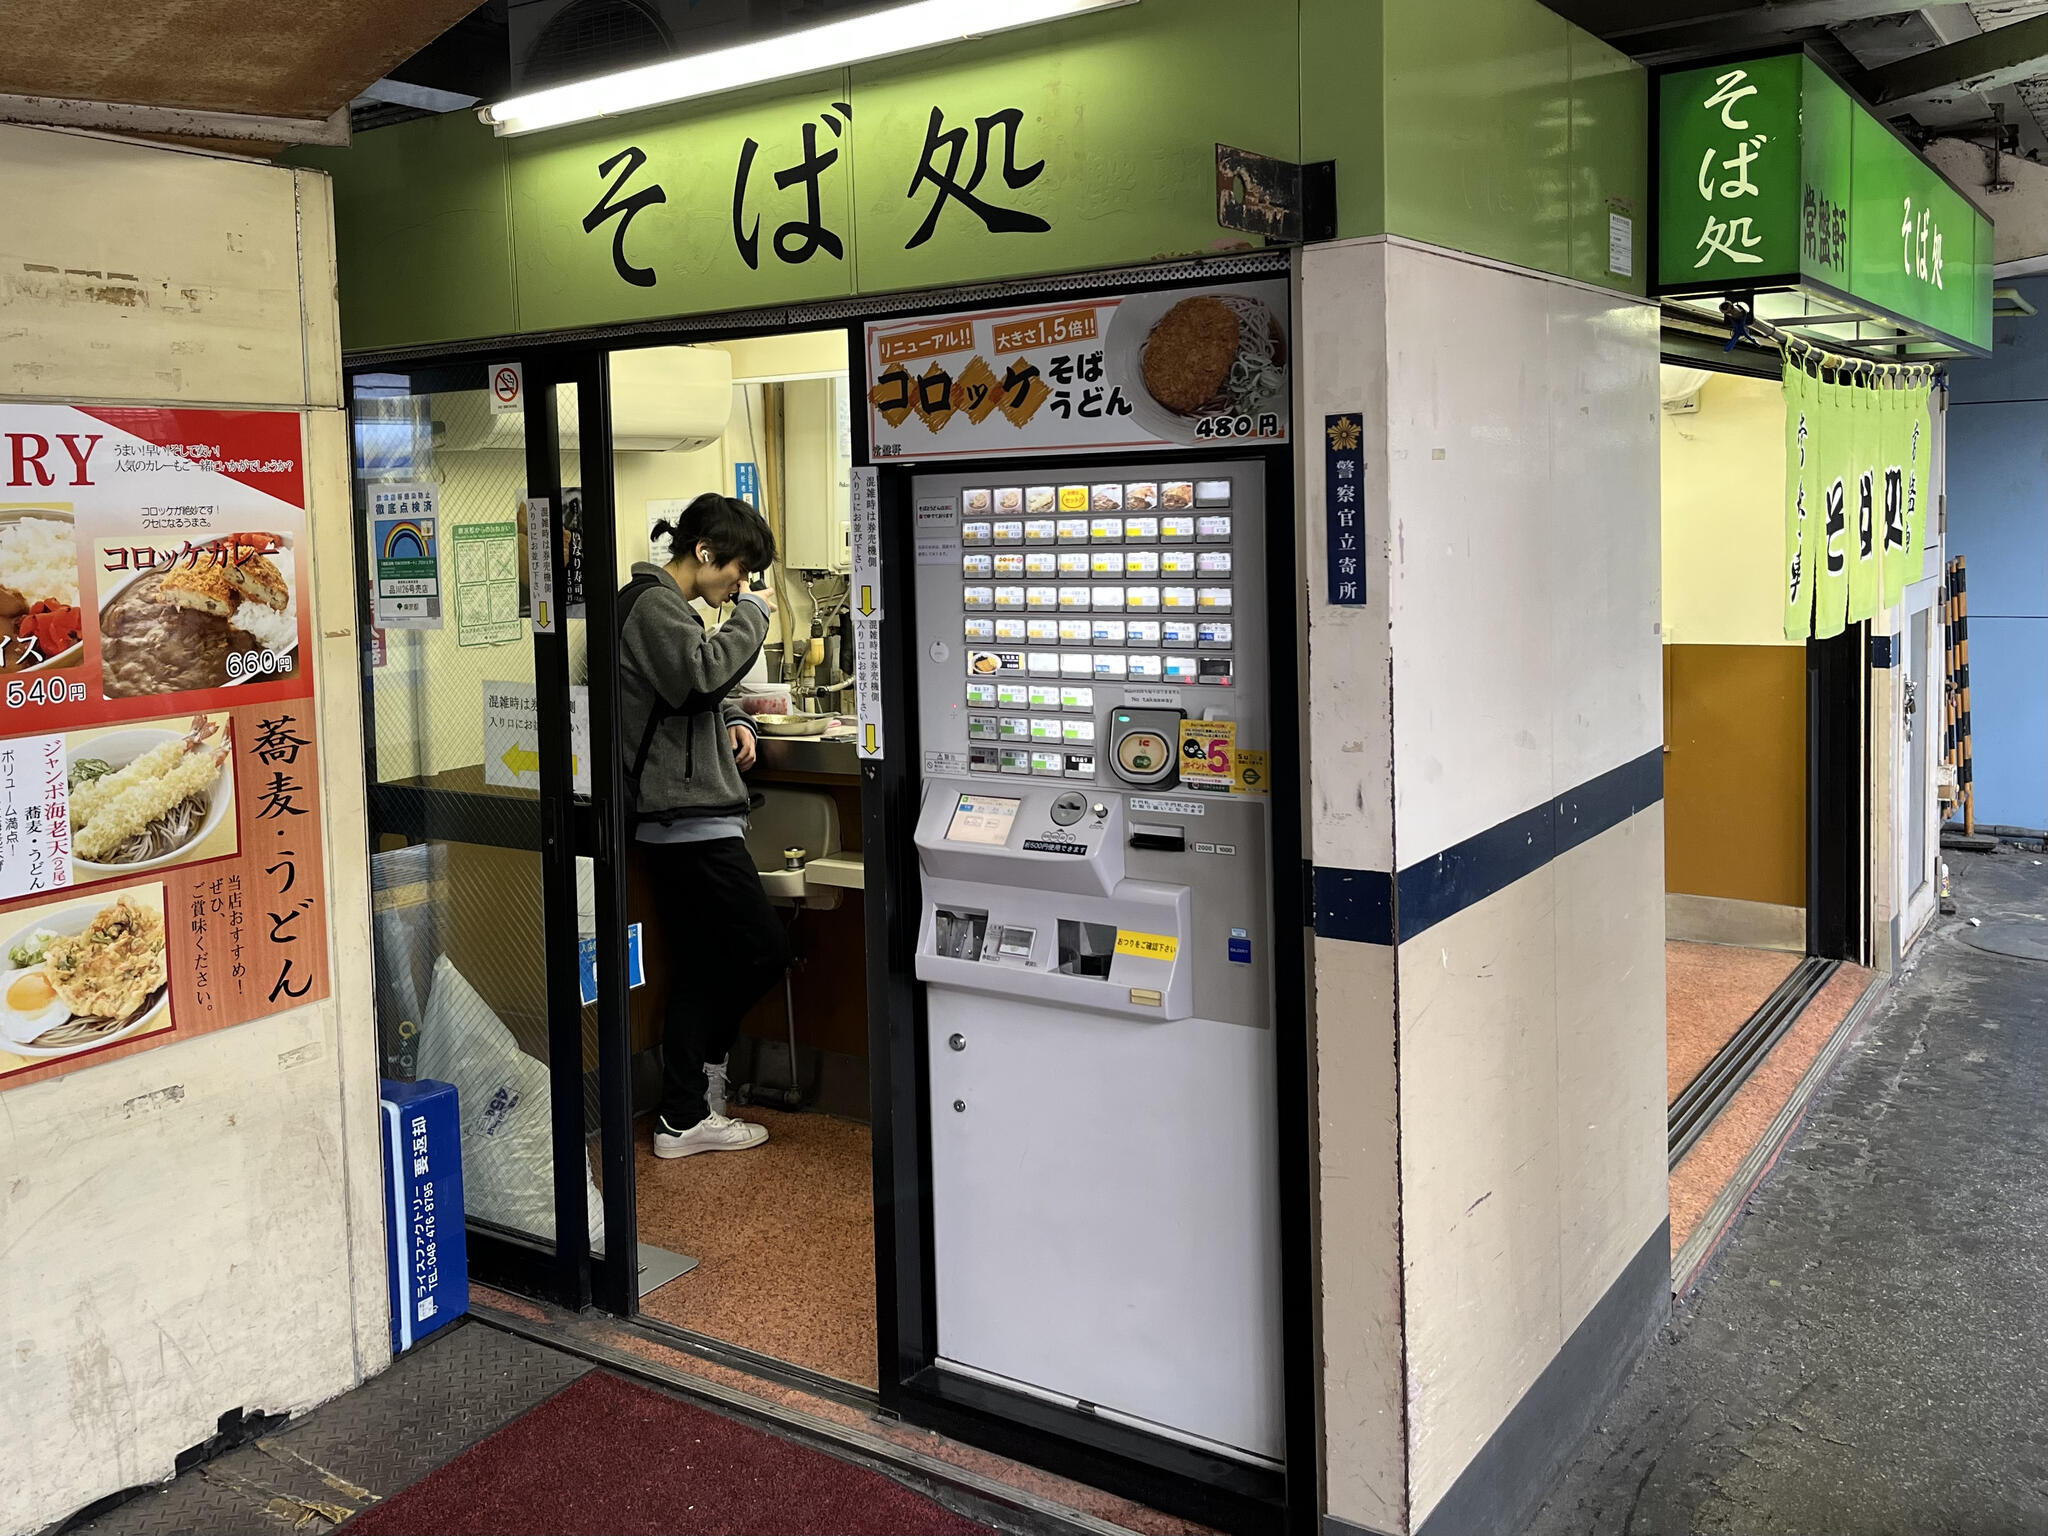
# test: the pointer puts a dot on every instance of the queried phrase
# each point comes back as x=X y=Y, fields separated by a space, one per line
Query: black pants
x=725 y=949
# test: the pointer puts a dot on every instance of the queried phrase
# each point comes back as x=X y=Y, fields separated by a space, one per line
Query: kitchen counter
x=837 y=757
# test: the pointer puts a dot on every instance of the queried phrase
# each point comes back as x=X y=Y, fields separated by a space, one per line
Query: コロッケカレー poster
x=160 y=847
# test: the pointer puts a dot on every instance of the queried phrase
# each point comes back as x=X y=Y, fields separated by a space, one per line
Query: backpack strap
x=660 y=709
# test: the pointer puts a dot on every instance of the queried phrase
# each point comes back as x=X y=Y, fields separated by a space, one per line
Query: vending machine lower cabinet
x=1103 y=1214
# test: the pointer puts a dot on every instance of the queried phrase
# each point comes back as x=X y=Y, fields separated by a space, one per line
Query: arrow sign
x=864 y=541
x=540 y=564
x=869 y=736
x=521 y=760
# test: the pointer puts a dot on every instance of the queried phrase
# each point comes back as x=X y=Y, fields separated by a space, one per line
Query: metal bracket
x=1285 y=203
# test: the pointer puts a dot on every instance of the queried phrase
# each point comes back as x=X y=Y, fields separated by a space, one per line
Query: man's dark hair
x=730 y=528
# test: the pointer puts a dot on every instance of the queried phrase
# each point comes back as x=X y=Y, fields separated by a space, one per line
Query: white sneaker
x=714 y=1133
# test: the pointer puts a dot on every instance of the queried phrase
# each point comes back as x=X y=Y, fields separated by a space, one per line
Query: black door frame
x=1164 y=1473
x=1838 y=795
x=554 y=825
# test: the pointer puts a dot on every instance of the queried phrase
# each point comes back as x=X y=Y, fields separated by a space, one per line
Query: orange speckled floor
x=784 y=1238
x=1707 y=1168
x=1710 y=990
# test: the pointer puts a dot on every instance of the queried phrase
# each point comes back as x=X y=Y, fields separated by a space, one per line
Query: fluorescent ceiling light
x=856 y=40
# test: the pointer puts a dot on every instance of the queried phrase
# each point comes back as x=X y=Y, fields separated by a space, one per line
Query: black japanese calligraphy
x=611 y=206
x=277 y=797
x=276 y=742
x=946 y=183
x=1834 y=519
x=1894 y=508
x=798 y=240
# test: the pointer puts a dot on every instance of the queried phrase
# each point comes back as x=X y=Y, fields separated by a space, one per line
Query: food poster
x=1181 y=367
x=160 y=852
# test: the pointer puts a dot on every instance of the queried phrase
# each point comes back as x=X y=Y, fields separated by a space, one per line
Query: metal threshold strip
x=1708 y=1094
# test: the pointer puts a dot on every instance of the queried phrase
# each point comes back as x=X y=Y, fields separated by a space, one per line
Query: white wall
x=1524 y=497
x=1490 y=1091
x=1340 y=310
x=195 y=1229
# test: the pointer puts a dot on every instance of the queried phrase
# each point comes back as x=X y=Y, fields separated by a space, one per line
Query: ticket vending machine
x=1095 y=943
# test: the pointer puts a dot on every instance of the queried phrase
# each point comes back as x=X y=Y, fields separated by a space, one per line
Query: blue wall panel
x=2018 y=366
x=2009 y=721
x=1998 y=506
x=1998 y=521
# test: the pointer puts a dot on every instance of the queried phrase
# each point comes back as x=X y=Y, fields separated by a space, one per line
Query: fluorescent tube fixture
x=856 y=40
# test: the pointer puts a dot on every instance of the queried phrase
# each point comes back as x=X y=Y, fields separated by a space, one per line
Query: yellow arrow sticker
x=870 y=738
x=521 y=760
x=867 y=600
x=1147 y=946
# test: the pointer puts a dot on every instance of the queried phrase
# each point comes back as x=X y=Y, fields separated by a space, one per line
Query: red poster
x=160 y=852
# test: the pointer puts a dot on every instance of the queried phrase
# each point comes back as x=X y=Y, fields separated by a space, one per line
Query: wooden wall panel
x=1735 y=773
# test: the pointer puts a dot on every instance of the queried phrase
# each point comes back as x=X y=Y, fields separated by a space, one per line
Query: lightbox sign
x=1771 y=175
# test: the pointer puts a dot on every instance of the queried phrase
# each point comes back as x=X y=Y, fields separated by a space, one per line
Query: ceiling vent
x=588 y=38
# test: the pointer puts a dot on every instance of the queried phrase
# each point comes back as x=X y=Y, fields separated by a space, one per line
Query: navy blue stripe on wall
x=1367 y=907
x=1354 y=904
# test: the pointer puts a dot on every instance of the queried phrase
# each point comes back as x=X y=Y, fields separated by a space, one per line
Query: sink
x=792 y=818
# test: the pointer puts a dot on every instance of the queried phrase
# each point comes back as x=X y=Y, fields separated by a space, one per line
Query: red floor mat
x=608 y=1458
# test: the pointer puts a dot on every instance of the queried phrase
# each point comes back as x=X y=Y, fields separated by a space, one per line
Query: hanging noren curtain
x=1855 y=505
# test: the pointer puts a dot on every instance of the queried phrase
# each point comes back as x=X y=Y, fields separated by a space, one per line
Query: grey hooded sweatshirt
x=667 y=658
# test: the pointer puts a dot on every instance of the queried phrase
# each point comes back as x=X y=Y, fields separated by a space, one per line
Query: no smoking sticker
x=508 y=389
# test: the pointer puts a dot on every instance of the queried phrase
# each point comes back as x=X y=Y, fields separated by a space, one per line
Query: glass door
x=741 y=1009
x=475 y=824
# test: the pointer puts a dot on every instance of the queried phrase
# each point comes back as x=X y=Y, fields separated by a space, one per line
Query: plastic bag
x=503 y=1097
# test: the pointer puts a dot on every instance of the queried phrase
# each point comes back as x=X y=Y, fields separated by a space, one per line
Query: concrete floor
x=1866 y=1353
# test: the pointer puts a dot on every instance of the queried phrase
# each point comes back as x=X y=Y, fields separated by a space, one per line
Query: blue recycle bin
x=426 y=1255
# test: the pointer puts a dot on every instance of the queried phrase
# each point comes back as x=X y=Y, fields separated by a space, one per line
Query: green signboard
x=1035 y=151
x=1771 y=175
x=1077 y=146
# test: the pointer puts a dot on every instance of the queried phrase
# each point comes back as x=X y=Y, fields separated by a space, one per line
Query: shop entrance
x=1767 y=797
x=514 y=896
x=879 y=1246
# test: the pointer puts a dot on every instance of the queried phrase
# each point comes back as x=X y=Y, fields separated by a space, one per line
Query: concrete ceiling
x=303 y=60
x=1860 y=38
x=1969 y=82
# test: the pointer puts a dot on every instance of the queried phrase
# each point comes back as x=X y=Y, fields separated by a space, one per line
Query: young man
x=686 y=744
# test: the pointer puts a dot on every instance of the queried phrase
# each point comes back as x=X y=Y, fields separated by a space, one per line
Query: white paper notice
x=867 y=678
x=35 y=816
x=938 y=530
x=579 y=739
x=405 y=552
x=864 y=534
x=1156 y=698
x=540 y=564
x=1621 y=245
x=512 y=737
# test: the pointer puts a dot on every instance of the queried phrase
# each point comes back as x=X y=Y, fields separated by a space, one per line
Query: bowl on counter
x=793 y=725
